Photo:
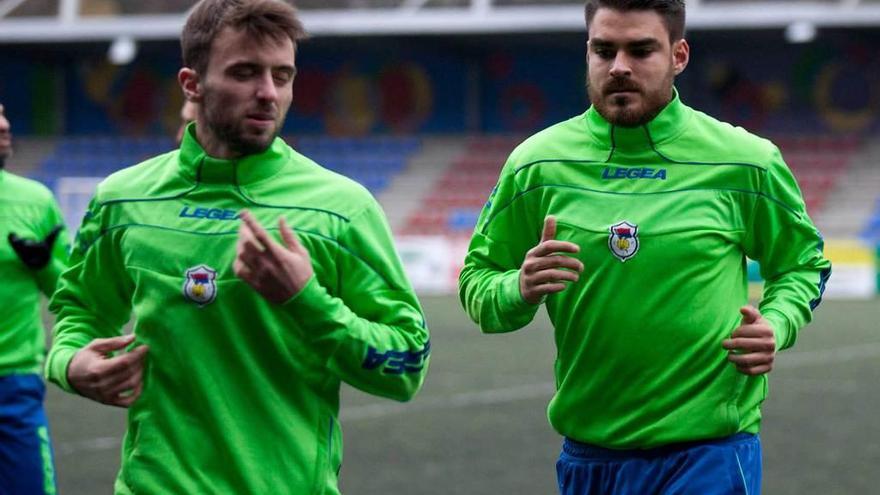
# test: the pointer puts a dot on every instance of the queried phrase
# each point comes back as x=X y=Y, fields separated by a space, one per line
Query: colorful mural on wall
x=759 y=81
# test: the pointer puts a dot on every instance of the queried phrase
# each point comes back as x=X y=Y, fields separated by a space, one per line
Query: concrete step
x=407 y=190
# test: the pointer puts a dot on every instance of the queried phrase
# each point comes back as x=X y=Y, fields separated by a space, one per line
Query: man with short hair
x=633 y=222
x=33 y=253
x=243 y=333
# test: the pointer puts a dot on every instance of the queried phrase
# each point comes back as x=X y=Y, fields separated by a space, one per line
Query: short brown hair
x=672 y=12
x=261 y=19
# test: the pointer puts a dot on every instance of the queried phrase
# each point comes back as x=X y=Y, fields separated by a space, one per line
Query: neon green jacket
x=665 y=215
x=240 y=395
x=28 y=210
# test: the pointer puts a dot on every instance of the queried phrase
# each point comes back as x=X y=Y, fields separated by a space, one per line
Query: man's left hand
x=752 y=346
x=277 y=272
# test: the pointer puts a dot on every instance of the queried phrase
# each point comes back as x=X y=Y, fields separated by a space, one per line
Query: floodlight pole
x=68 y=11
x=481 y=7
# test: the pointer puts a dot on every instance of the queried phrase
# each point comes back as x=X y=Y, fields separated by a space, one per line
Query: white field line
x=455 y=401
x=787 y=360
x=792 y=360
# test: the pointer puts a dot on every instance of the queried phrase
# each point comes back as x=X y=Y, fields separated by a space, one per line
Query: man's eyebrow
x=640 y=43
x=253 y=65
x=241 y=64
x=643 y=43
x=600 y=42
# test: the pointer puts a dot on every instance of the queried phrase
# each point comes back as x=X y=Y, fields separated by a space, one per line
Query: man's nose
x=620 y=66
x=266 y=89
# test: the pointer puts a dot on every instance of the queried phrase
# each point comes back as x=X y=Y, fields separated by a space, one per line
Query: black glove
x=34 y=254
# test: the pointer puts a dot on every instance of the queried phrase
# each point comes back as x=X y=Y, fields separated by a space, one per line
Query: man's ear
x=681 y=53
x=190 y=83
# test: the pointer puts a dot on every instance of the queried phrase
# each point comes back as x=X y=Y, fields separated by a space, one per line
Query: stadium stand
x=871 y=232
x=97 y=156
x=453 y=203
x=372 y=161
x=818 y=162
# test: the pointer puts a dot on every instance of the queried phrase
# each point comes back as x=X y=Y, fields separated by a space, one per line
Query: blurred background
x=421 y=101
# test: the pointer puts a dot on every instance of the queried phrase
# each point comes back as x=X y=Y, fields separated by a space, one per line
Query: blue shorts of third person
x=26 y=466
x=726 y=466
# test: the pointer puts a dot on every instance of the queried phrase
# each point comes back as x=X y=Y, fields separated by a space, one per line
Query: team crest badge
x=200 y=285
x=624 y=240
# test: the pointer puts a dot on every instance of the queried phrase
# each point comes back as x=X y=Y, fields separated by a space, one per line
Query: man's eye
x=641 y=52
x=604 y=53
x=242 y=73
x=282 y=77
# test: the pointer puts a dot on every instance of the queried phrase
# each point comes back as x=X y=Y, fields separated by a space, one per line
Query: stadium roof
x=25 y=21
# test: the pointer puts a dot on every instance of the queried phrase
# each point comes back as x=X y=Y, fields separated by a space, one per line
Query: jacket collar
x=197 y=166
x=666 y=125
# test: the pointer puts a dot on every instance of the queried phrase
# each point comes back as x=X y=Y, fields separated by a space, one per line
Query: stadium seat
x=372 y=161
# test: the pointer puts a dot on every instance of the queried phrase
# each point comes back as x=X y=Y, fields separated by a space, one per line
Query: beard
x=230 y=129
x=618 y=111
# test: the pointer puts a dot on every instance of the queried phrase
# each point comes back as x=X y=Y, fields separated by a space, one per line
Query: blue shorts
x=26 y=466
x=724 y=466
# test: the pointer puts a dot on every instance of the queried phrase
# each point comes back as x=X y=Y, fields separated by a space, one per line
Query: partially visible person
x=258 y=280
x=188 y=113
x=33 y=253
x=632 y=222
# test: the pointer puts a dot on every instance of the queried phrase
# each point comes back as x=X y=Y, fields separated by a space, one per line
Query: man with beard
x=33 y=253
x=632 y=222
x=242 y=333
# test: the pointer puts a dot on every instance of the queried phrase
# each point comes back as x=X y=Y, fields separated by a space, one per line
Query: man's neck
x=214 y=146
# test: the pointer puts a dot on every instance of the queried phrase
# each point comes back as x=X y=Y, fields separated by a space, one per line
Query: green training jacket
x=665 y=215
x=28 y=210
x=240 y=395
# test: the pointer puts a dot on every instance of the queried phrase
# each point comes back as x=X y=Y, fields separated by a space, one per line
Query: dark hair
x=261 y=19
x=672 y=12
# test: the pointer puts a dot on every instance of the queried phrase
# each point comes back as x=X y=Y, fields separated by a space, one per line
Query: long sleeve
x=93 y=296
x=783 y=239
x=372 y=332
x=47 y=278
x=488 y=285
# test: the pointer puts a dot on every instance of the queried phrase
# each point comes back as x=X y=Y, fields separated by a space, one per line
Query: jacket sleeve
x=93 y=296
x=488 y=285
x=789 y=249
x=371 y=330
x=47 y=278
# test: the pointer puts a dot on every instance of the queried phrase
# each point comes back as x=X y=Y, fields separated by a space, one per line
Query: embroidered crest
x=624 y=240
x=200 y=285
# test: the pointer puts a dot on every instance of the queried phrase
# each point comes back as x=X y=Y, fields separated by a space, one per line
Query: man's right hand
x=113 y=380
x=545 y=271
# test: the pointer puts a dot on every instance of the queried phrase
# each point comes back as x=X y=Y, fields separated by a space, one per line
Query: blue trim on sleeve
x=823 y=279
x=824 y=275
